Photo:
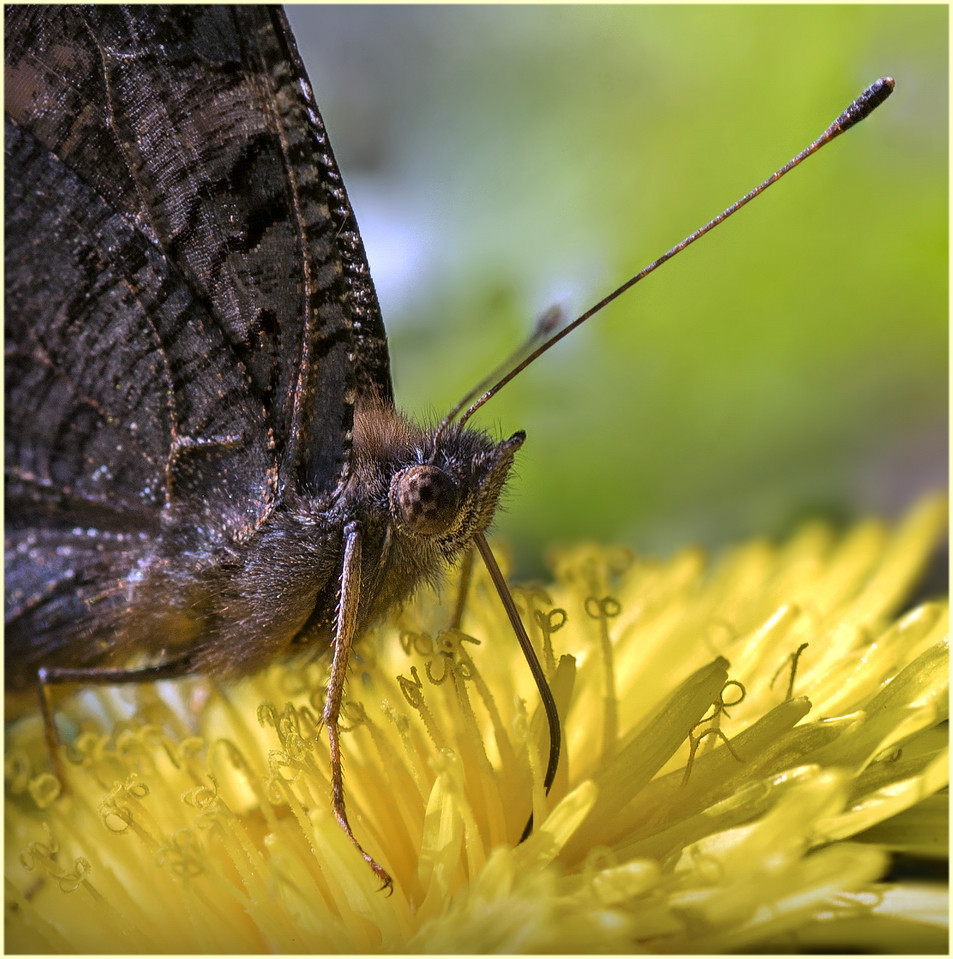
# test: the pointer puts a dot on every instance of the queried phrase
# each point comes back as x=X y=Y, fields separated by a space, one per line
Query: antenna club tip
x=882 y=88
x=864 y=105
x=878 y=91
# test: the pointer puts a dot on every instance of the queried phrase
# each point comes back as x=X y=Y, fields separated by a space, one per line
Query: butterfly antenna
x=551 y=319
x=862 y=107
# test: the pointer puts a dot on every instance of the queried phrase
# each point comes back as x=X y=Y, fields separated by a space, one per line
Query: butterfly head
x=456 y=490
x=438 y=491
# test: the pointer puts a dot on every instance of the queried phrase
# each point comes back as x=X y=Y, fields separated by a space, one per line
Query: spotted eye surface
x=424 y=500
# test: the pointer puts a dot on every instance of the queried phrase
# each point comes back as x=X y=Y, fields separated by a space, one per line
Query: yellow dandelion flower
x=743 y=750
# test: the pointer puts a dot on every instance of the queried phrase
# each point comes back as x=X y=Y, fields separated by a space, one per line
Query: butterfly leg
x=94 y=676
x=344 y=631
x=466 y=574
x=532 y=660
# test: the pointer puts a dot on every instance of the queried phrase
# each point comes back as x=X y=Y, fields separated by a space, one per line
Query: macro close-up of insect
x=207 y=471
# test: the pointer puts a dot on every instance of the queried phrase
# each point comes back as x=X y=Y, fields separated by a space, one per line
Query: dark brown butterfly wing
x=189 y=313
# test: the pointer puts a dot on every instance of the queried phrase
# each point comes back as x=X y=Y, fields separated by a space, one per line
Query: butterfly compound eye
x=424 y=500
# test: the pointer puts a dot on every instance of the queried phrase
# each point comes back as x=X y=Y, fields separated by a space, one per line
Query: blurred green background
x=502 y=159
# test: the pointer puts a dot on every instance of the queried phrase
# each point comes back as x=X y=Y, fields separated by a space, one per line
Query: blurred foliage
x=501 y=159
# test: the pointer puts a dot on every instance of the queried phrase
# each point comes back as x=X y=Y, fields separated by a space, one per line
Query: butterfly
x=204 y=464
x=205 y=468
